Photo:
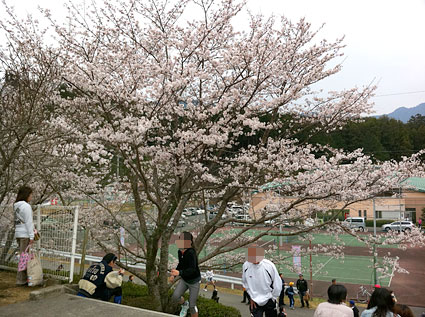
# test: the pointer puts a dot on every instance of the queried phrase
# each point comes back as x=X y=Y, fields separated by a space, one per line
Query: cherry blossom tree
x=29 y=80
x=197 y=110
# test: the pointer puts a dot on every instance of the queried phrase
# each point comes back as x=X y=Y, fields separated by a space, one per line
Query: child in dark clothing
x=290 y=292
x=214 y=295
x=282 y=312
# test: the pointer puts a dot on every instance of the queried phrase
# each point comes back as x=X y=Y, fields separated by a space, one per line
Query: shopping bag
x=34 y=270
x=23 y=259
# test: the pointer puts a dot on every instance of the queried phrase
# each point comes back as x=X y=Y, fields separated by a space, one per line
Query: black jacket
x=302 y=285
x=355 y=311
x=188 y=266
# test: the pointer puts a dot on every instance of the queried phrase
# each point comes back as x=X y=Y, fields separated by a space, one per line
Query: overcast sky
x=385 y=41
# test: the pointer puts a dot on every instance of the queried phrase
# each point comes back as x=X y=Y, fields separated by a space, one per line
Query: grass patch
x=138 y=296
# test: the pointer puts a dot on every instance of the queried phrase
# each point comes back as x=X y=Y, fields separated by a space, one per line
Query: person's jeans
x=181 y=288
x=291 y=300
x=302 y=299
x=269 y=309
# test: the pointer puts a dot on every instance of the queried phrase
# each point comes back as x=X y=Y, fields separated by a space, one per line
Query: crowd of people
x=264 y=288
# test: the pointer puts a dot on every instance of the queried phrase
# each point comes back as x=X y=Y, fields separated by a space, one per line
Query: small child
x=214 y=295
x=354 y=308
x=290 y=293
x=282 y=312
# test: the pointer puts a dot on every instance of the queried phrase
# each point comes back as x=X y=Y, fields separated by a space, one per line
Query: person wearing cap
x=302 y=287
x=262 y=282
x=354 y=308
x=290 y=293
x=101 y=281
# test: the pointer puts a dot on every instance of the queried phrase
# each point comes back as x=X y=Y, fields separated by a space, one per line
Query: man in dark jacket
x=101 y=282
x=302 y=287
x=282 y=292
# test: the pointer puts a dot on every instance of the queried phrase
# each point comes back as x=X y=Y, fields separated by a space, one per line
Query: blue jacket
x=290 y=291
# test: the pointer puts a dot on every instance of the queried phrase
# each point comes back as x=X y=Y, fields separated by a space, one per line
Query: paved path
x=65 y=305
x=235 y=301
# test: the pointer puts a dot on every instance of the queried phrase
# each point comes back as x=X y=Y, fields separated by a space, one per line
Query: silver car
x=395 y=226
x=357 y=223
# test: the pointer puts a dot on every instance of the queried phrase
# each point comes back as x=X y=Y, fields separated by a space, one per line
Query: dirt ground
x=10 y=293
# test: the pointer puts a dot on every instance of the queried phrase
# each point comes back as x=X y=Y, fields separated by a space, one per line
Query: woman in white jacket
x=24 y=226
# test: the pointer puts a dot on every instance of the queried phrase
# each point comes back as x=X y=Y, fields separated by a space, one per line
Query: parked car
x=395 y=226
x=357 y=223
x=236 y=210
x=269 y=223
x=187 y=212
x=200 y=211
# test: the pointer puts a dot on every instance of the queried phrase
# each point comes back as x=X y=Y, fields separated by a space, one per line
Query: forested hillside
x=384 y=138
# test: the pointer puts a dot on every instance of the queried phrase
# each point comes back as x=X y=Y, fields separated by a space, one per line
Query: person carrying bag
x=24 y=230
x=34 y=270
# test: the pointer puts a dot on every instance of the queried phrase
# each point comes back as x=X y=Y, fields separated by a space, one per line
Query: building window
x=360 y=213
x=378 y=214
x=365 y=214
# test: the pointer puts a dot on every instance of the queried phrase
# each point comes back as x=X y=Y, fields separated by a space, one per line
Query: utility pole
x=375 y=278
x=311 y=274
x=399 y=202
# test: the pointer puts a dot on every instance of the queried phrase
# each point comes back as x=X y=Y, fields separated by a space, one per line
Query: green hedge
x=138 y=296
x=379 y=223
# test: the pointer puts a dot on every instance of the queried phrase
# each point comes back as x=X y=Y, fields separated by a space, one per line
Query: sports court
x=352 y=268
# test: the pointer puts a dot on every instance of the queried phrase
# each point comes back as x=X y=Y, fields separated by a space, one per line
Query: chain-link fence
x=58 y=226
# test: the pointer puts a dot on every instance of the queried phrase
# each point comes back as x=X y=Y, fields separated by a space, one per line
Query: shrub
x=138 y=296
x=209 y=308
x=379 y=223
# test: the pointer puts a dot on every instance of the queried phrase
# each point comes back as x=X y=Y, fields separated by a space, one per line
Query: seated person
x=101 y=282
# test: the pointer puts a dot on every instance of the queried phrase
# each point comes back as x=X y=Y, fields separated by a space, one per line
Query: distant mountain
x=404 y=114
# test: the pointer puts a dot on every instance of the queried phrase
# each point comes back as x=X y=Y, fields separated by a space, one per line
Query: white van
x=355 y=223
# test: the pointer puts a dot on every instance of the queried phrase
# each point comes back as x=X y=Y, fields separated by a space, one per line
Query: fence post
x=74 y=244
x=83 y=252
x=38 y=224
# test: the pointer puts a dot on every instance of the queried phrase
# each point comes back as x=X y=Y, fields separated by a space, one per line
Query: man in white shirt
x=261 y=280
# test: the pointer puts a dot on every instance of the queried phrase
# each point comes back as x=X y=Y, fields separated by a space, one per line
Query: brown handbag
x=37 y=235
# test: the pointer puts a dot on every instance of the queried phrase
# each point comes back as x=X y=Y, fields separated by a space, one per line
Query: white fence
x=58 y=226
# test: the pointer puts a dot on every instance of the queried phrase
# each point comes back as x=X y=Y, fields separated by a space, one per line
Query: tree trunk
x=152 y=272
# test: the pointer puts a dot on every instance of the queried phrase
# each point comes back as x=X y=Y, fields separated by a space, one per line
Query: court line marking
x=324 y=265
x=392 y=274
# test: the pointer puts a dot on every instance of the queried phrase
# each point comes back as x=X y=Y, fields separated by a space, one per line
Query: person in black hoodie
x=302 y=287
x=101 y=281
x=190 y=274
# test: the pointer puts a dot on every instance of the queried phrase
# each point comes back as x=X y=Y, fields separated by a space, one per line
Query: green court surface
x=351 y=269
x=318 y=238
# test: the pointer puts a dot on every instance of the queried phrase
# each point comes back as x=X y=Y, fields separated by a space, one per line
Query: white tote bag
x=34 y=270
